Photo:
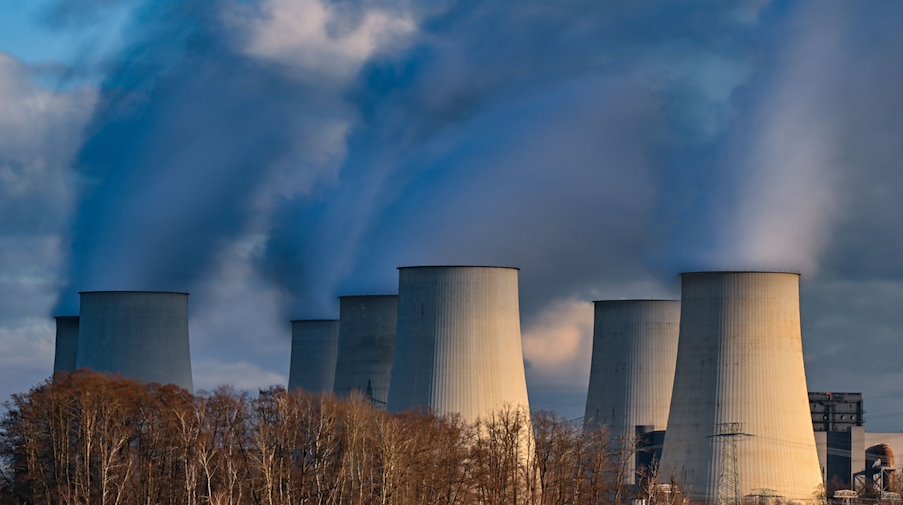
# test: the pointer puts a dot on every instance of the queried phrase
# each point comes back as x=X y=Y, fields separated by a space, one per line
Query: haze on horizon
x=269 y=155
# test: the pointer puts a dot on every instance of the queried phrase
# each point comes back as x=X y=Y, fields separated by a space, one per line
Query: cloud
x=318 y=39
x=271 y=155
x=559 y=343
x=39 y=133
x=525 y=136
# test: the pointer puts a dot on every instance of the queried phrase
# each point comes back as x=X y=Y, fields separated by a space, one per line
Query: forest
x=86 y=438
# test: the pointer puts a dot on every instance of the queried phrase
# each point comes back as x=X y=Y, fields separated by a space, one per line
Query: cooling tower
x=66 y=343
x=314 y=347
x=740 y=423
x=366 y=344
x=459 y=341
x=632 y=371
x=141 y=335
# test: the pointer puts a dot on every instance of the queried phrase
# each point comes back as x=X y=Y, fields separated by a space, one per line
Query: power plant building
x=632 y=374
x=141 y=335
x=366 y=345
x=66 y=346
x=459 y=341
x=740 y=424
x=851 y=457
x=313 y=361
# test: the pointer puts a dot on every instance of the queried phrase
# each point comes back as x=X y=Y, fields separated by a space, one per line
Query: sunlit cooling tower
x=740 y=423
x=632 y=373
x=66 y=343
x=366 y=344
x=314 y=347
x=459 y=341
x=141 y=335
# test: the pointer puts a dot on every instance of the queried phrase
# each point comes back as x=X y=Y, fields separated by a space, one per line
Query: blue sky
x=270 y=155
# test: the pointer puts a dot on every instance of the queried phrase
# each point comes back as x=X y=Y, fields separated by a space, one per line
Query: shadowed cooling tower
x=740 y=423
x=141 y=335
x=632 y=372
x=314 y=347
x=66 y=343
x=459 y=341
x=366 y=344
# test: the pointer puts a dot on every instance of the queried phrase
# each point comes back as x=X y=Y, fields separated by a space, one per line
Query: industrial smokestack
x=141 y=335
x=459 y=341
x=66 y=343
x=366 y=343
x=740 y=423
x=632 y=371
x=315 y=343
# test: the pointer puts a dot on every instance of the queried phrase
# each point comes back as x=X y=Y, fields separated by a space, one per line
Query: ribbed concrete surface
x=66 y=343
x=632 y=371
x=138 y=334
x=740 y=360
x=315 y=344
x=366 y=343
x=459 y=341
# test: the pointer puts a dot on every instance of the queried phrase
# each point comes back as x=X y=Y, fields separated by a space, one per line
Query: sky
x=270 y=155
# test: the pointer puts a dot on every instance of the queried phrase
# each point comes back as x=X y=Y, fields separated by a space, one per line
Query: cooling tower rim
x=134 y=291
x=457 y=266
x=342 y=297
x=635 y=300
x=313 y=320
x=66 y=316
x=726 y=272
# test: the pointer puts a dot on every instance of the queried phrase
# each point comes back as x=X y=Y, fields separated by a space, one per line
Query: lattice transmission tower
x=728 y=435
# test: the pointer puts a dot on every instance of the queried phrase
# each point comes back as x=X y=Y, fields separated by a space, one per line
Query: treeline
x=85 y=438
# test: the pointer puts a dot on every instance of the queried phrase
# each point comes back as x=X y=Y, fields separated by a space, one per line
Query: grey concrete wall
x=315 y=344
x=740 y=360
x=459 y=341
x=366 y=344
x=138 y=334
x=632 y=370
x=66 y=346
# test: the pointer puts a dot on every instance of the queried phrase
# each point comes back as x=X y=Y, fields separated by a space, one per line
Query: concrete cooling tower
x=141 y=335
x=632 y=373
x=66 y=343
x=314 y=347
x=459 y=341
x=740 y=424
x=366 y=344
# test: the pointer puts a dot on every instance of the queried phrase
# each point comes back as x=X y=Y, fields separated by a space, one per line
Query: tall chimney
x=740 y=424
x=459 y=341
x=315 y=344
x=142 y=335
x=366 y=344
x=632 y=371
x=66 y=343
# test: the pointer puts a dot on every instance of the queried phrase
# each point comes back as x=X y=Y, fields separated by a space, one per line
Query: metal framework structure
x=729 y=474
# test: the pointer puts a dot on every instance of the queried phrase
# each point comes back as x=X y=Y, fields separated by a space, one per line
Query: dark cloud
x=188 y=128
x=531 y=136
x=601 y=147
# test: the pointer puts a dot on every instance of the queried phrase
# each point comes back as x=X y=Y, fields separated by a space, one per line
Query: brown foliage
x=85 y=438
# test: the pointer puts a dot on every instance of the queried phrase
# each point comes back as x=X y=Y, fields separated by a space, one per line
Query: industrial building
x=740 y=423
x=459 y=341
x=632 y=375
x=141 y=335
x=315 y=344
x=66 y=345
x=851 y=457
x=366 y=344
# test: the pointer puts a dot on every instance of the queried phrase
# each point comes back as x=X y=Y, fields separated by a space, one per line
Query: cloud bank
x=271 y=155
